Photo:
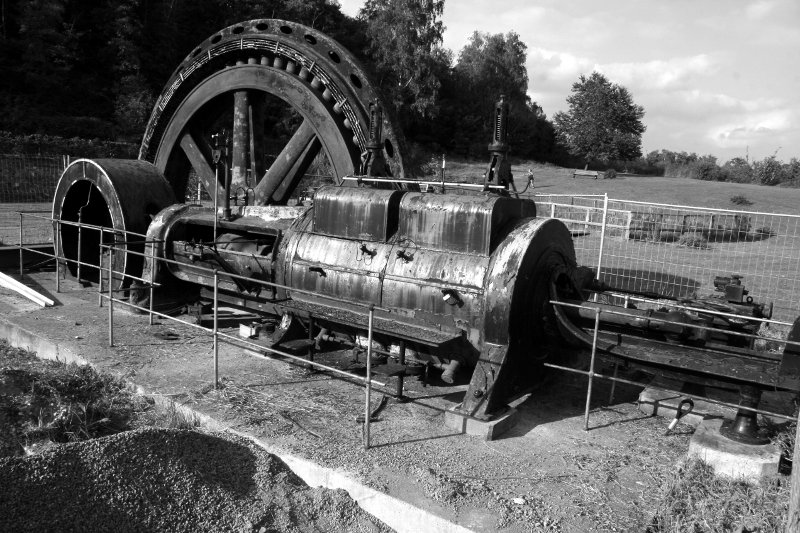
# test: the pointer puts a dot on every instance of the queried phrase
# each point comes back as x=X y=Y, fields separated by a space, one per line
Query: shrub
x=738 y=170
x=740 y=200
x=769 y=171
x=706 y=169
x=693 y=240
x=610 y=174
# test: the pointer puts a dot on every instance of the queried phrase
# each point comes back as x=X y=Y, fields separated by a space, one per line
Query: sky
x=719 y=77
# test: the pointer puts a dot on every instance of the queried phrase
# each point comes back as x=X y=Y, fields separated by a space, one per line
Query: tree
x=405 y=46
x=488 y=66
x=602 y=124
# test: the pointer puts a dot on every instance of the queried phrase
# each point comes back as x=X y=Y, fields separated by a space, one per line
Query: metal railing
x=108 y=277
x=106 y=293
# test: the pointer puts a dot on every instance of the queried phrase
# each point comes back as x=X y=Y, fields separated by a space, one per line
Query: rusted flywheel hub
x=235 y=69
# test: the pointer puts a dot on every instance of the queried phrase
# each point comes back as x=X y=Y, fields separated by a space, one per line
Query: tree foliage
x=405 y=38
x=488 y=66
x=603 y=123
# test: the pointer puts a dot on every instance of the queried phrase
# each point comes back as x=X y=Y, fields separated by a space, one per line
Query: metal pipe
x=216 y=199
x=401 y=358
x=110 y=296
x=80 y=244
x=672 y=322
x=152 y=279
x=216 y=330
x=613 y=384
x=20 y=245
x=591 y=370
x=367 y=413
x=439 y=183
x=602 y=235
x=100 y=270
x=678 y=393
x=56 y=244
x=684 y=307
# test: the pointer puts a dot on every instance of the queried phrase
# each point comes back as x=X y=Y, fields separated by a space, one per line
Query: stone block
x=489 y=430
x=730 y=458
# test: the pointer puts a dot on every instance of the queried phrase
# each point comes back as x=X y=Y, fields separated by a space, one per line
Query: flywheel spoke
x=201 y=165
x=240 y=139
x=290 y=166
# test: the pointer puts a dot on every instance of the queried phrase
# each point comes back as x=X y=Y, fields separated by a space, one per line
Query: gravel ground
x=168 y=480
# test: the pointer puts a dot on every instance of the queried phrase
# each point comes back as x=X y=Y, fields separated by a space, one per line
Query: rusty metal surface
x=356 y=213
x=122 y=194
x=459 y=223
x=343 y=268
x=517 y=295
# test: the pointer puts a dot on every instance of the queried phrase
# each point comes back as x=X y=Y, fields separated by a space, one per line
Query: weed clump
x=693 y=240
x=695 y=500
x=740 y=199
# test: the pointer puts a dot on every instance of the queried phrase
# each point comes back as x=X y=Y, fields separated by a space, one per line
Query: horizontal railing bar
x=645 y=385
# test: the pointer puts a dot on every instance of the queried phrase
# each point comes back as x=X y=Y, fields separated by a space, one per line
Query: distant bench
x=585 y=174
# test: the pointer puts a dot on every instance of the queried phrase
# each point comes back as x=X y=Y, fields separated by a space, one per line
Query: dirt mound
x=168 y=480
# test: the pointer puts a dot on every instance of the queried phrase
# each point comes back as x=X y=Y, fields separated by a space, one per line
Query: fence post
x=80 y=243
x=628 y=224
x=368 y=394
x=20 y=245
x=110 y=295
x=56 y=239
x=591 y=369
x=602 y=235
x=215 y=328
x=793 y=518
x=553 y=210
x=152 y=277
x=100 y=270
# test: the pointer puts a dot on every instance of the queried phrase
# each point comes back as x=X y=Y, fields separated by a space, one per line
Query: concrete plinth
x=730 y=458
x=490 y=430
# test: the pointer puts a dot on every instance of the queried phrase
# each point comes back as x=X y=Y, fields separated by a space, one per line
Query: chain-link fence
x=677 y=251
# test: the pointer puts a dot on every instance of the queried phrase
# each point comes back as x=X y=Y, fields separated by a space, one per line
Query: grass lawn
x=550 y=179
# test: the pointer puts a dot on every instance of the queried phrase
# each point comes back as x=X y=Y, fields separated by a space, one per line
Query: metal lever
x=680 y=413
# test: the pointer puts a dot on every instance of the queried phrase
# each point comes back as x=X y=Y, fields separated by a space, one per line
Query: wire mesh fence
x=27 y=183
x=677 y=251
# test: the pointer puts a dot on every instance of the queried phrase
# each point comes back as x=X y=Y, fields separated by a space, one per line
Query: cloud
x=760 y=10
x=669 y=74
x=754 y=128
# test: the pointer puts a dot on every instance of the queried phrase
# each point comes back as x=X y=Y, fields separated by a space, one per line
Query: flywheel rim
x=333 y=77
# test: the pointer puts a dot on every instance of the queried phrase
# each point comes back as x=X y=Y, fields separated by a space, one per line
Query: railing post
x=591 y=369
x=215 y=328
x=110 y=282
x=602 y=235
x=152 y=276
x=80 y=243
x=20 y=245
x=793 y=517
x=100 y=270
x=401 y=358
x=56 y=242
x=367 y=414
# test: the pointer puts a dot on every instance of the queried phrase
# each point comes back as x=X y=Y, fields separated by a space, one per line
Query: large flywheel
x=289 y=96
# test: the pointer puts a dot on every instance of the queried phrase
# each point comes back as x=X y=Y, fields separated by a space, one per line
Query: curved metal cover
x=356 y=213
x=459 y=223
x=419 y=286
x=341 y=268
